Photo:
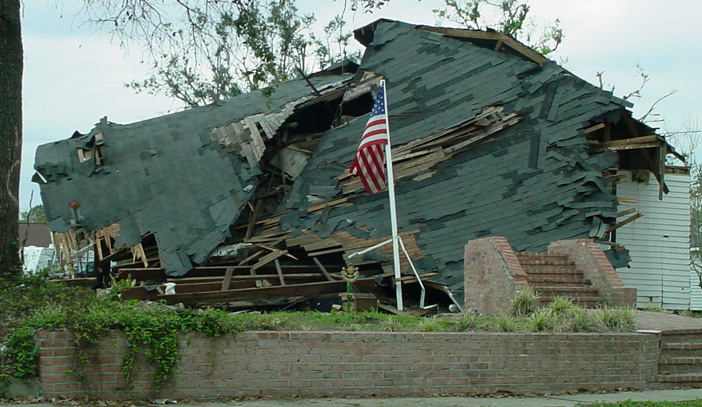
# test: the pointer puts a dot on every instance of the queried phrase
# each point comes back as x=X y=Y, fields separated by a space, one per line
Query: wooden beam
x=626 y=212
x=254 y=218
x=280 y=272
x=622 y=147
x=324 y=270
x=268 y=293
x=608 y=132
x=630 y=141
x=647 y=156
x=624 y=222
x=268 y=258
x=594 y=128
x=227 y=279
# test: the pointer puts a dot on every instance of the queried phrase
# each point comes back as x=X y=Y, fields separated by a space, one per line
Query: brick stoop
x=680 y=363
x=575 y=268
x=557 y=276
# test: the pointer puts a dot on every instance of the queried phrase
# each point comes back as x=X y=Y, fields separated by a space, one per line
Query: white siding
x=659 y=243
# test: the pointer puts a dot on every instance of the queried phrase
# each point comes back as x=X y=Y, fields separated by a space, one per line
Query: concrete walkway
x=542 y=401
x=663 y=321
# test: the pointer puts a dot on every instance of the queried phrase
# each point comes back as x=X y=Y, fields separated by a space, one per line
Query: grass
x=630 y=403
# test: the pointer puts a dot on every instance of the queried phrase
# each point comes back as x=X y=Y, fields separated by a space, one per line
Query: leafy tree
x=203 y=51
x=11 y=65
x=506 y=16
x=34 y=215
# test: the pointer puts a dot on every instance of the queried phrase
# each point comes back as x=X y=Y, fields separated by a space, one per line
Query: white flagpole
x=393 y=212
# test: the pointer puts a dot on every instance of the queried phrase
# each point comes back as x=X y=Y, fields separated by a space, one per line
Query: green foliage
x=580 y=319
x=544 y=320
x=35 y=214
x=615 y=319
x=505 y=323
x=466 y=321
x=524 y=303
x=506 y=16
x=560 y=305
x=202 y=52
x=153 y=330
x=630 y=403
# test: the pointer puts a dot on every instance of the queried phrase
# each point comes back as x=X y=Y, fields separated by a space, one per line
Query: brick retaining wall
x=314 y=364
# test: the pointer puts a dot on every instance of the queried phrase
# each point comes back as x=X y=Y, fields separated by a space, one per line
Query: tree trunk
x=11 y=64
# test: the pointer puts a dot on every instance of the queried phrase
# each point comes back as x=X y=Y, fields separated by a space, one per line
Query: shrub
x=580 y=319
x=505 y=323
x=524 y=302
x=465 y=321
x=615 y=319
x=560 y=305
x=544 y=320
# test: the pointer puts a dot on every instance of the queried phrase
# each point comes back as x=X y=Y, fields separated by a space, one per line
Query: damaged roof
x=489 y=138
x=167 y=176
x=534 y=182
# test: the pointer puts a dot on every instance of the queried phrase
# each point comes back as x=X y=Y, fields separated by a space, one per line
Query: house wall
x=658 y=242
x=318 y=364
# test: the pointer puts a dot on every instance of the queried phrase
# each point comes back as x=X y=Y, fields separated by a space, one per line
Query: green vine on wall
x=152 y=330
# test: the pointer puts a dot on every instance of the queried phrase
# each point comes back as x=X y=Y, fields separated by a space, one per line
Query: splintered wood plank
x=227 y=278
x=267 y=293
x=594 y=128
x=254 y=218
x=280 y=272
x=251 y=257
x=322 y=269
x=624 y=222
x=268 y=258
x=626 y=212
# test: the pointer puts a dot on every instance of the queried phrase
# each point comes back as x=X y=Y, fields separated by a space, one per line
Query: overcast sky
x=74 y=76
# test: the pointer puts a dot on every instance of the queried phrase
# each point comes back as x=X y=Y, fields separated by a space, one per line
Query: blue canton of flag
x=369 y=164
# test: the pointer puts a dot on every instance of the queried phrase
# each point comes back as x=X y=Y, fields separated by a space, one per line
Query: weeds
x=524 y=303
x=505 y=323
x=466 y=321
x=544 y=320
x=560 y=305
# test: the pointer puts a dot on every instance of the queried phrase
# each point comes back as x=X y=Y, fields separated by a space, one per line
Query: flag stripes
x=369 y=163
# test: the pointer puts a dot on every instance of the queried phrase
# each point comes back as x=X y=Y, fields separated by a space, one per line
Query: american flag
x=370 y=159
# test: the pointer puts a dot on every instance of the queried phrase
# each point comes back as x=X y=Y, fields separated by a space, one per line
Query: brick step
x=586 y=301
x=555 y=291
x=540 y=256
x=681 y=349
x=680 y=365
x=527 y=261
x=681 y=378
x=557 y=279
x=557 y=285
x=550 y=269
x=681 y=338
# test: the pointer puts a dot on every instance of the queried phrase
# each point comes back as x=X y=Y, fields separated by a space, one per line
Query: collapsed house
x=250 y=199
